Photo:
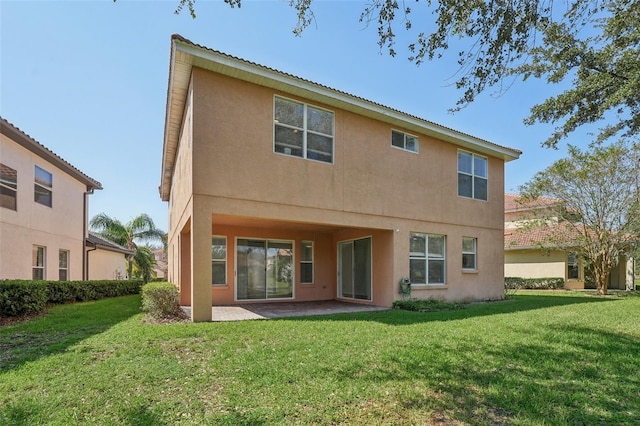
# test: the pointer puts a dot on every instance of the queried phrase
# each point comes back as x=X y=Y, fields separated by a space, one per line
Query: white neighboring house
x=44 y=202
x=106 y=260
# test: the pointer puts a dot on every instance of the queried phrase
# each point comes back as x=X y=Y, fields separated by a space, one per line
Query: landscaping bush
x=160 y=301
x=428 y=305
x=18 y=297
x=515 y=283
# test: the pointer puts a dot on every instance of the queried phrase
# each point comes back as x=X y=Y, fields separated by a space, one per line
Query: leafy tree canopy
x=594 y=44
x=600 y=193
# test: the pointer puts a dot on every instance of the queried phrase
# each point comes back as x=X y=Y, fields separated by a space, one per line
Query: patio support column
x=200 y=263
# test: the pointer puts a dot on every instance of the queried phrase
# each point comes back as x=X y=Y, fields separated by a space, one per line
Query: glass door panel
x=345 y=269
x=251 y=270
x=279 y=270
x=362 y=269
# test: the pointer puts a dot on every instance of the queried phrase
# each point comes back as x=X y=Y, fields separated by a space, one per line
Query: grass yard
x=539 y=358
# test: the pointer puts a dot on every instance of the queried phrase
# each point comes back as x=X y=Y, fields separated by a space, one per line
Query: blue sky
x=88 y=80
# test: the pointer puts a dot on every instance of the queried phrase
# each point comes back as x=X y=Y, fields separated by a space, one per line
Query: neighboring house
x=43 y=210
x=528 y=254
x=106 y=260
x=282 y=189
x=160 y=268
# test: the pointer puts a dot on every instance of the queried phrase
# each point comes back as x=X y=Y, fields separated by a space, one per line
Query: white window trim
x=43 y=267
x=474 y=253
x=313 y=269
x=426 y=259
x=50 y=189
x=60 y=268
x=305 y=131
x=9 y=187
x=405 y=134
x=472 y=174
x=226 y=255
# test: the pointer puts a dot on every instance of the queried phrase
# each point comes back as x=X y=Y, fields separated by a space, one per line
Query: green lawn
x=539 y=358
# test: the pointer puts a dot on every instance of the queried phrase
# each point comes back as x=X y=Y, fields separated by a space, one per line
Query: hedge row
x=515 y=283
x=20 y=297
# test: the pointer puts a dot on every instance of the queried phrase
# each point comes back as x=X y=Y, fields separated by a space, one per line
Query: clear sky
x=88 y=79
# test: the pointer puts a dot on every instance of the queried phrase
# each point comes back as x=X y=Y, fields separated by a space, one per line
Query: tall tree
x=137 y=230
x=593 y=44
x=600 y=191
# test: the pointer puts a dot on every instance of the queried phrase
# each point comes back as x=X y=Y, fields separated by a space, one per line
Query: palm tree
x=139 y=229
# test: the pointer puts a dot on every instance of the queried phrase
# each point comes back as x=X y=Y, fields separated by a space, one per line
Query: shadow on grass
x=61 y=327
x=518 y=303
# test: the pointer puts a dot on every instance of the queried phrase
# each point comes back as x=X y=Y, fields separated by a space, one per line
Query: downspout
x=85 y=234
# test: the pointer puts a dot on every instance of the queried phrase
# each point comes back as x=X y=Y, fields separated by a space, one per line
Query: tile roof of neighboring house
x=185 y=54
x=512 y=204
x=26 y=141
x=559 y=235
x=98 y=241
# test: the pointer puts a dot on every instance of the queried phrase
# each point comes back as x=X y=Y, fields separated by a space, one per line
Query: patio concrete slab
x=258 y=311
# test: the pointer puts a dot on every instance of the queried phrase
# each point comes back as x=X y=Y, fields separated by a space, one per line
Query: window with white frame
x=306 y=262
x=8 y=187
x=43 y=185
x=63 y=265
x=573 y=266
x=427 y=258
x=404 y=141
x=469 y=247
x=472 y=175
x=302 y=130
x=219 y=260
x=39 y=258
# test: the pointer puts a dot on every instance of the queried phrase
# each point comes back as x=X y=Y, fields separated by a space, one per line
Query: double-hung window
x=427 y=258
x=573 y=266
x=302 y=130
x=472 y=175
x=219 y=260
x=404 y=141
x=8 y=187
x=43 y=185
x=306 y=262
x=39 y=258
x=469 y=253
x=63 y=265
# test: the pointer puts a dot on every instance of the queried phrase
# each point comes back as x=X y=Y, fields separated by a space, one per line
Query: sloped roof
x=98 y=241
x=512 y=203
x=560 y=235
x=26 y=141
x=185 y=54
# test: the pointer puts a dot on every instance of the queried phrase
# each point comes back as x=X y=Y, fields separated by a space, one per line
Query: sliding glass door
x=264 y=269
x=354 y=269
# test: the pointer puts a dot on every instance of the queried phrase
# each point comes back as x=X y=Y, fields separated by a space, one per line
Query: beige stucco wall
x=59 y=227
x=107 y=265
x=540 y=264
x=372 y=189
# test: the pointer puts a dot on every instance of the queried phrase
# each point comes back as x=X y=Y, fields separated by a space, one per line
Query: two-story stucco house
x=43 y=211
x=282 y=189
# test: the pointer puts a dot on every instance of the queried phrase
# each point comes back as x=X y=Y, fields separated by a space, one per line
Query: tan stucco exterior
x=226 y=180
x=107 y=265
x=535 y=263
x=59 y=227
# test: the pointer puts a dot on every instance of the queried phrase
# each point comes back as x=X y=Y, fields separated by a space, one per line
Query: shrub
x=160 y=301
x=428 y=305
x=511 y=284
x=19 y=297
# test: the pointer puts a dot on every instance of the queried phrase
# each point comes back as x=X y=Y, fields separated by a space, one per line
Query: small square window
x=404 y=141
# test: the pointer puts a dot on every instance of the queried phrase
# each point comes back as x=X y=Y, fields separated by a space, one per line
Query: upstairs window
x=8 y=187
x=43 y=186
x=302 y=130
x=404 y=141
x=472 y=175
